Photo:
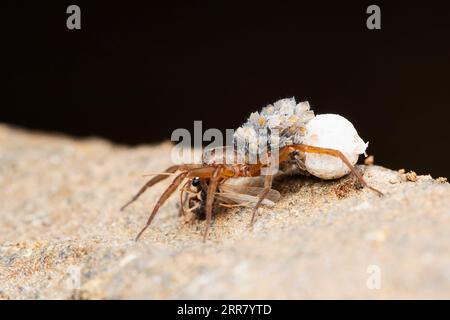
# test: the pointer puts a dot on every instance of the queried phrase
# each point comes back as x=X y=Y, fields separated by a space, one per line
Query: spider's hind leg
x=338 y=154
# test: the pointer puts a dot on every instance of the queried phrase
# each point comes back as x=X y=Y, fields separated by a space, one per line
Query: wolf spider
x=213 y=175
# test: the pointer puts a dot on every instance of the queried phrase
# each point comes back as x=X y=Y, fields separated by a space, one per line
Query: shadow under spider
x=293 y=183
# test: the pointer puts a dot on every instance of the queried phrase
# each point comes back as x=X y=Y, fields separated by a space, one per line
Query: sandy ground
x=62 y=235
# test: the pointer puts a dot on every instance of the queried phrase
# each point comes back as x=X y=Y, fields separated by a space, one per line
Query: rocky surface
x=62 y=235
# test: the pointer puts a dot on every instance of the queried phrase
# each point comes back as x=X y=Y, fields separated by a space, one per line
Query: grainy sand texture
x=62 y=235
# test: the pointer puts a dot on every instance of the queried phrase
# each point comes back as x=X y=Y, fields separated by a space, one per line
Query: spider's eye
x=196 y=182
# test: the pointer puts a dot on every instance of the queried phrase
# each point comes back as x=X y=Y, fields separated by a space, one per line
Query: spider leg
x=196 y=206
x=267 y=186
x=183 y=200
x=244 y=204
x=188 y=171
x=150 y=183
x=173 y=186
x=338 y=154
x=214 y=181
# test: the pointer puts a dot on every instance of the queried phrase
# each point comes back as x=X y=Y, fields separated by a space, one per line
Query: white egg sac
x=334 y=132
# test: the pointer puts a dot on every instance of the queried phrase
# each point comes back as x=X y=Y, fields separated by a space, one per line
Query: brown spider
x=216 y=174
x=207 y=180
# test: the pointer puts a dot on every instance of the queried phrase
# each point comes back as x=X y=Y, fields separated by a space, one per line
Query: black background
x=136 y=71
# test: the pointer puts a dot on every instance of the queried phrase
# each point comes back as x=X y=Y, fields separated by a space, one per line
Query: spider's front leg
x=267 y=187
x=184 y=197
x=160 y=177
x=173 y=186
x=213 y=173
x=152 y=182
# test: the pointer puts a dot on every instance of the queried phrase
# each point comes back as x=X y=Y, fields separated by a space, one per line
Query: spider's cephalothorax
x=326 y=146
